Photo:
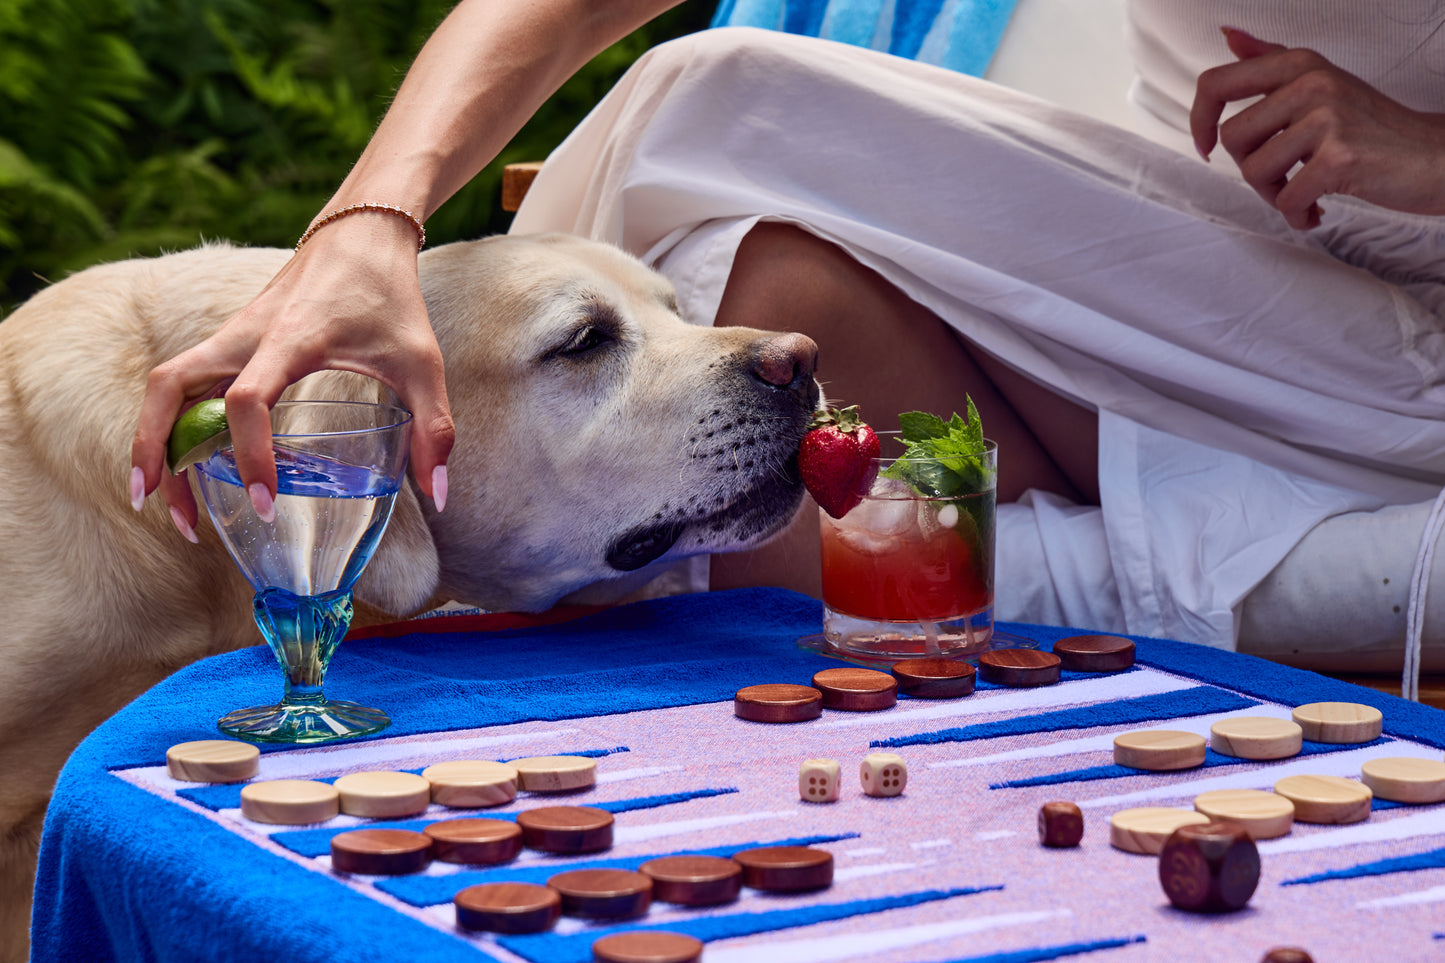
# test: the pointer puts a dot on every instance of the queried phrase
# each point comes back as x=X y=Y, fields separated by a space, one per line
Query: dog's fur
x=598 y=437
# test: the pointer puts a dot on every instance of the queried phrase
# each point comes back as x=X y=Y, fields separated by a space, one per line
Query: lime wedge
x=198 y=434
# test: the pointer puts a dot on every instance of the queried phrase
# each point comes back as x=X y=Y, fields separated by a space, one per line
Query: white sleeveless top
x=1396 y=46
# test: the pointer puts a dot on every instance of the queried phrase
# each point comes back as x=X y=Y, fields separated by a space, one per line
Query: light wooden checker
x=1146 y=829
x=555 y=773
x=213 y=760
x=1264 y=815
x=1256 y=737
x=1159 y=750
x=1339 y=723
x=378 y=794
x=1405 y=779
x=290 y=802
x=1326 y=799
x=471 y=783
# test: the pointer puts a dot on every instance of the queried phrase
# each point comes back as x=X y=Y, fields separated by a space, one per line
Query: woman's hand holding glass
x=349 y=300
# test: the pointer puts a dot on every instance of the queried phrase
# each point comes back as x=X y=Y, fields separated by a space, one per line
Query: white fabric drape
x=1249 y=382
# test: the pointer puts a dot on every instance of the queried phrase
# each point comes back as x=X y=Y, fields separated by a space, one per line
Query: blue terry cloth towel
x=961 y=35
x=125 y=876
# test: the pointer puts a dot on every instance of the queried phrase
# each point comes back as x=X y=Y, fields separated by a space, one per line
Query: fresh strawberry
x=836 y=459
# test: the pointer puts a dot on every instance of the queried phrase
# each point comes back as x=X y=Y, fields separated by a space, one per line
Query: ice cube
x=891 y=488
x=864 y=542
x=883 y=517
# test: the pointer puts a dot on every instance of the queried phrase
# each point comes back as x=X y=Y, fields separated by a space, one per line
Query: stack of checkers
x=621 y=894
x=853 y=689
x=1266 y=814
x=593 y=893
x=455 y=784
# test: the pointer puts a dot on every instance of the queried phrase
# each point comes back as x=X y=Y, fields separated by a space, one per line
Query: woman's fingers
x=1219 y=86
x=176 y=491
x=1315 y=129
x=422 y=390
x=170 y=388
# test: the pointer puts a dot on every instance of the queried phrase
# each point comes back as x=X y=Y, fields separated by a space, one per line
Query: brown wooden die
x=1061 y=825
x=1209 y=867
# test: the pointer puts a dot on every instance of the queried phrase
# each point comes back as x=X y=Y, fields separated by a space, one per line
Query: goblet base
x=303 y=723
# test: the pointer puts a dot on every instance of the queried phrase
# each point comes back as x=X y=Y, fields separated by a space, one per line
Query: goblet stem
x=303 y=631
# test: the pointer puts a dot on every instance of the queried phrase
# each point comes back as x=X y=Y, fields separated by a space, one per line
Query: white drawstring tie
x=1415 y=608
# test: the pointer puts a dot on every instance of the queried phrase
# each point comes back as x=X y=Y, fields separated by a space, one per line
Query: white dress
x=1250 y=380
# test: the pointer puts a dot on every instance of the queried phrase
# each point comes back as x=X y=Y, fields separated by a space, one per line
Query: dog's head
x=598 y=434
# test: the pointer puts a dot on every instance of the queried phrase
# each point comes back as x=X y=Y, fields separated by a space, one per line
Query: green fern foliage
x=134 y=127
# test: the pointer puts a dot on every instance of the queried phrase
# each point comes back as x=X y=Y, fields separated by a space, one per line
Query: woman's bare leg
x=886 y=353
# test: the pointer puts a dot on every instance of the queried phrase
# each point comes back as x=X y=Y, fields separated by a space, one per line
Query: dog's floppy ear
x=405 y=570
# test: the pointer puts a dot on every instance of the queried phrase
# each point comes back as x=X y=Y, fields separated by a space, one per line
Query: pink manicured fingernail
x=261 y=501
x=137 y=488
x=439 y=486
x=183 y=526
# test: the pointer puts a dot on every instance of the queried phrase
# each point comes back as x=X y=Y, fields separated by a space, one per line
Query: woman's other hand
x=1317 y=129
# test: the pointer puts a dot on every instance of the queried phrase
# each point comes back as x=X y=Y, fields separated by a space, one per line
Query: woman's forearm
x=481 y=75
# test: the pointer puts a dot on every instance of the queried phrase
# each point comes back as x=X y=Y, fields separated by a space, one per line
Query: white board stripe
x=632 y=834
x=1435 y=894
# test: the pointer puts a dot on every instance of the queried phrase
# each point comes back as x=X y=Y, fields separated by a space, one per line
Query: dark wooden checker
x=1287 y=954
x=694 y=880
x=508 y=907
x=854 y=689
x=786 y=869
x=380 y=852
x=1095 y=653
x=647 y=946
x=778 y=702
x=934 y=678
x=603 y=893
x=566 y=829
x=1022 y=668
x=475 y=840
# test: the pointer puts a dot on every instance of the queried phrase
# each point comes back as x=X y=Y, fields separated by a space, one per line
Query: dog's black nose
x=785 y=360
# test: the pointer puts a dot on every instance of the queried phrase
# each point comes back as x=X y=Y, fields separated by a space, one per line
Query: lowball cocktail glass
x=908 y=573
x=339 y=467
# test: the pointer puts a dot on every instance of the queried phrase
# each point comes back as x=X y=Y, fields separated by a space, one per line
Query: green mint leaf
x=954 y=447
x=920 y=426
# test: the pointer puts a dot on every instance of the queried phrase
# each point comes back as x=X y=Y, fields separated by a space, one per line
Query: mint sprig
x=943 y=459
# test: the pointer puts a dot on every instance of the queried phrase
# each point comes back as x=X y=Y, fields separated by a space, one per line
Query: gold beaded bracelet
x=341 y=212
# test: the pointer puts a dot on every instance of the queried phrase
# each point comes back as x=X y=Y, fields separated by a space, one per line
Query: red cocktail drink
x=907 y=573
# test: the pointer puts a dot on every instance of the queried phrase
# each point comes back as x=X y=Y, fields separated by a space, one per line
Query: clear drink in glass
x=339 y=467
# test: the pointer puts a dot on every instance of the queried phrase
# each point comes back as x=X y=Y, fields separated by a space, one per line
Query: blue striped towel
x=961 y=35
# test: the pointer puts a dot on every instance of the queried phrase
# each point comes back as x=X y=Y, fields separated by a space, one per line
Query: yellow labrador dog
x=598 y=438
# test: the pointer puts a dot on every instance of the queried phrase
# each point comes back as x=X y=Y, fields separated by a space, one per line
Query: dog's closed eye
x=585 y=339
x=598 y=328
